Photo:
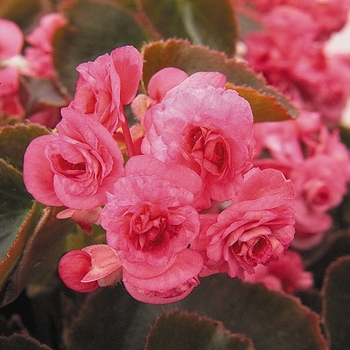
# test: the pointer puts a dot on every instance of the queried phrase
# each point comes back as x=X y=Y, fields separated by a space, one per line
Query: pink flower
x=201 y=125
x=107 y=84
x=90 y=268
x=256 y=228
x=74 y=167
x=286 y=274
x=318 y=164
x=11 y=63
x=13 y=47
x=321 y=181
x=149 y=217
x=330 y=15
x=39 y=54
x=310 y=225
x=296 y=63
x=151 y=223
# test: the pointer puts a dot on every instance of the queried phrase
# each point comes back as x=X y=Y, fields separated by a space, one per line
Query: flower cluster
x=36 y=62
x=296 y=60
x=307 y=150
x=317 y=163
x=155 y=187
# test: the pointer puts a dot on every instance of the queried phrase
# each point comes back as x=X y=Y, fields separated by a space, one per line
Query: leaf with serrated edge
x=20 y=341
x=181 y=330
x=194 y=58
x=273 y=320
x=16 y=228
x=15 y=139
x=13 y=194
x=41 y=253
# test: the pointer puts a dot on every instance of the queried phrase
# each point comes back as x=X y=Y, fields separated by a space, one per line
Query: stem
x=130 y=149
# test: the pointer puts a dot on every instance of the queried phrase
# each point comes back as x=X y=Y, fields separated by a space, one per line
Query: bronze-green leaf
x=12 y=191
x=94 y=28
x=267 y=103
x=41 y=253
x=273 y=320
x=203 y=22
x=21 y=12
x=337 y=303
x=19 y=341
x=15 y=139
x=181 y=330
x=16 y=228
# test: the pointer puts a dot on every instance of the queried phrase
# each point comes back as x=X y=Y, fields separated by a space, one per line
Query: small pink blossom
x=256 y=228
x=286 y=274
x=330 y=15
x=11 y=64
x=39 y=54
x=74 y=167
x=310 y=225
x=107 y=84
x=296 y=63
x=318 y=164
x=321 y=181
x=201 y=125
x=90 y=268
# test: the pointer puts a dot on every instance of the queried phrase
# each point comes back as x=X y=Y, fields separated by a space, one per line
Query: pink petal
x=188 y=264
x=128 y=63
x=12 y=47
x=268 y=186
x=146 y=165
x=104 y=261
x=37 y=174
x=215 y=79
x=153 y=299
x=164 y=80
x=9 y=81
x=158 y=290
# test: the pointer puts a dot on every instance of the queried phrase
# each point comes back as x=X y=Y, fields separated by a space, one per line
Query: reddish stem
x=130 y=149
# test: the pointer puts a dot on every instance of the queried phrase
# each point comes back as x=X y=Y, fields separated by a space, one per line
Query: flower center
x=207 y=148
x=149 y=229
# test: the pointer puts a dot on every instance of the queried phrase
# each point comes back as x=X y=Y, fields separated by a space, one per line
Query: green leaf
x=94 y=28
x=18 y=341
x=19 y=11
x=337 y=303
x=41 y=253
x=267 y=104
x=12 y=191
x=16 y=228
x=15 y=139
x=203 y=22
x=175 y=330
x=273 y=320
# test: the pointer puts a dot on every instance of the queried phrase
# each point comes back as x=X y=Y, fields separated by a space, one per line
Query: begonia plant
x=173 y=175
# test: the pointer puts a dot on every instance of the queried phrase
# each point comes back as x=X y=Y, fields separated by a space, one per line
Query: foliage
x=222 y=313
